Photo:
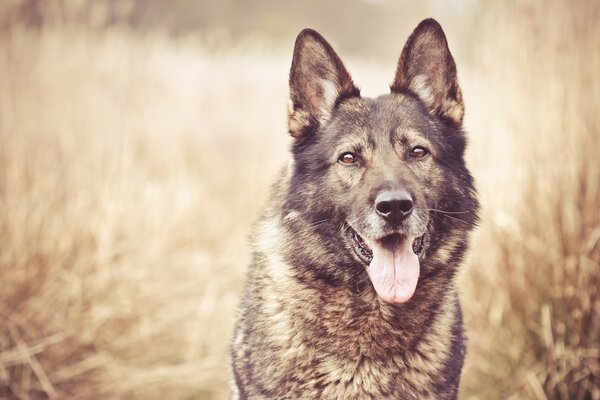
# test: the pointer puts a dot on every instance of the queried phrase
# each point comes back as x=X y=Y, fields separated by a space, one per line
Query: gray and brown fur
x=310 y=325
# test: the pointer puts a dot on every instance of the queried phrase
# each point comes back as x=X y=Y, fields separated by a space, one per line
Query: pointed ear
x=427 y=69
x=318 y=82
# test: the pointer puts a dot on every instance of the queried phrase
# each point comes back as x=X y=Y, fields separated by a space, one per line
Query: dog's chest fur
x=304 y=341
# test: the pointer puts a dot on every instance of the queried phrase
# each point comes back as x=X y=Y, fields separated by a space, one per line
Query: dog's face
x=382 y=181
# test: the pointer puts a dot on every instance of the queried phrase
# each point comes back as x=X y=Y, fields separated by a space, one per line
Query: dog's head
x=380 y=182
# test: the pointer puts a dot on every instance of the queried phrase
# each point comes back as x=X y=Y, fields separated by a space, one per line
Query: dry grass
x=131 y=168
x=127 y=188
x=532 y=286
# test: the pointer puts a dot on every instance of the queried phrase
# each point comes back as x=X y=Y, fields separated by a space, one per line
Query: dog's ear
x=426 y=68
x=318 y=82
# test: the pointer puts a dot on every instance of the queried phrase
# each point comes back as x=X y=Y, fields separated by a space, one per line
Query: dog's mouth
x=364 y=252
x=392 y=262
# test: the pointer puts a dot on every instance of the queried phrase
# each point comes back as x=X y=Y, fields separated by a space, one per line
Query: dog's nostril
x=405 y=205
x=384 y=207
x=394 y=206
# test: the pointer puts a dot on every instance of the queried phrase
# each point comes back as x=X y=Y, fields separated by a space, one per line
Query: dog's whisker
x=352 y=221
x=448 y=214
x=317 y=223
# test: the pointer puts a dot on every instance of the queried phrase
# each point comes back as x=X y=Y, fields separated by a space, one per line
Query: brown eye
x=347 y=158
x=419 y=152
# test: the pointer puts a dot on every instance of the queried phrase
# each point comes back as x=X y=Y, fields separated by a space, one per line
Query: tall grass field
x=133 y=165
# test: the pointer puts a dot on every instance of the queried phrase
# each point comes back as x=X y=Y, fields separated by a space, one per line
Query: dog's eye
x=419 y=152
x=347 y=158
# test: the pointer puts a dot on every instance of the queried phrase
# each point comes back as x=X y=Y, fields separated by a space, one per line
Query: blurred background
x=138 y=140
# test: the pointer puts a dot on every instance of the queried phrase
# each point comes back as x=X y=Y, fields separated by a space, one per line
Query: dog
x=351 y=293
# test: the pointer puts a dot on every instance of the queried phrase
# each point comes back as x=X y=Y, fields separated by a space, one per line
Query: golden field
x=133 y=165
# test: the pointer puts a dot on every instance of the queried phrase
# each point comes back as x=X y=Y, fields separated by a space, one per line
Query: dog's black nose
x=394 y=205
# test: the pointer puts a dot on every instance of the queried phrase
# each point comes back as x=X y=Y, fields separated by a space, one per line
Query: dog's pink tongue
x=394 y=269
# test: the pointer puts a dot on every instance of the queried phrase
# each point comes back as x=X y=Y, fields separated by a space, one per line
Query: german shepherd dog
x=351 y=293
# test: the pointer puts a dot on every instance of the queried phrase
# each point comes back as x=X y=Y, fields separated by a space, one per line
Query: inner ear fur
x=318 y=82
x=427 y=69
